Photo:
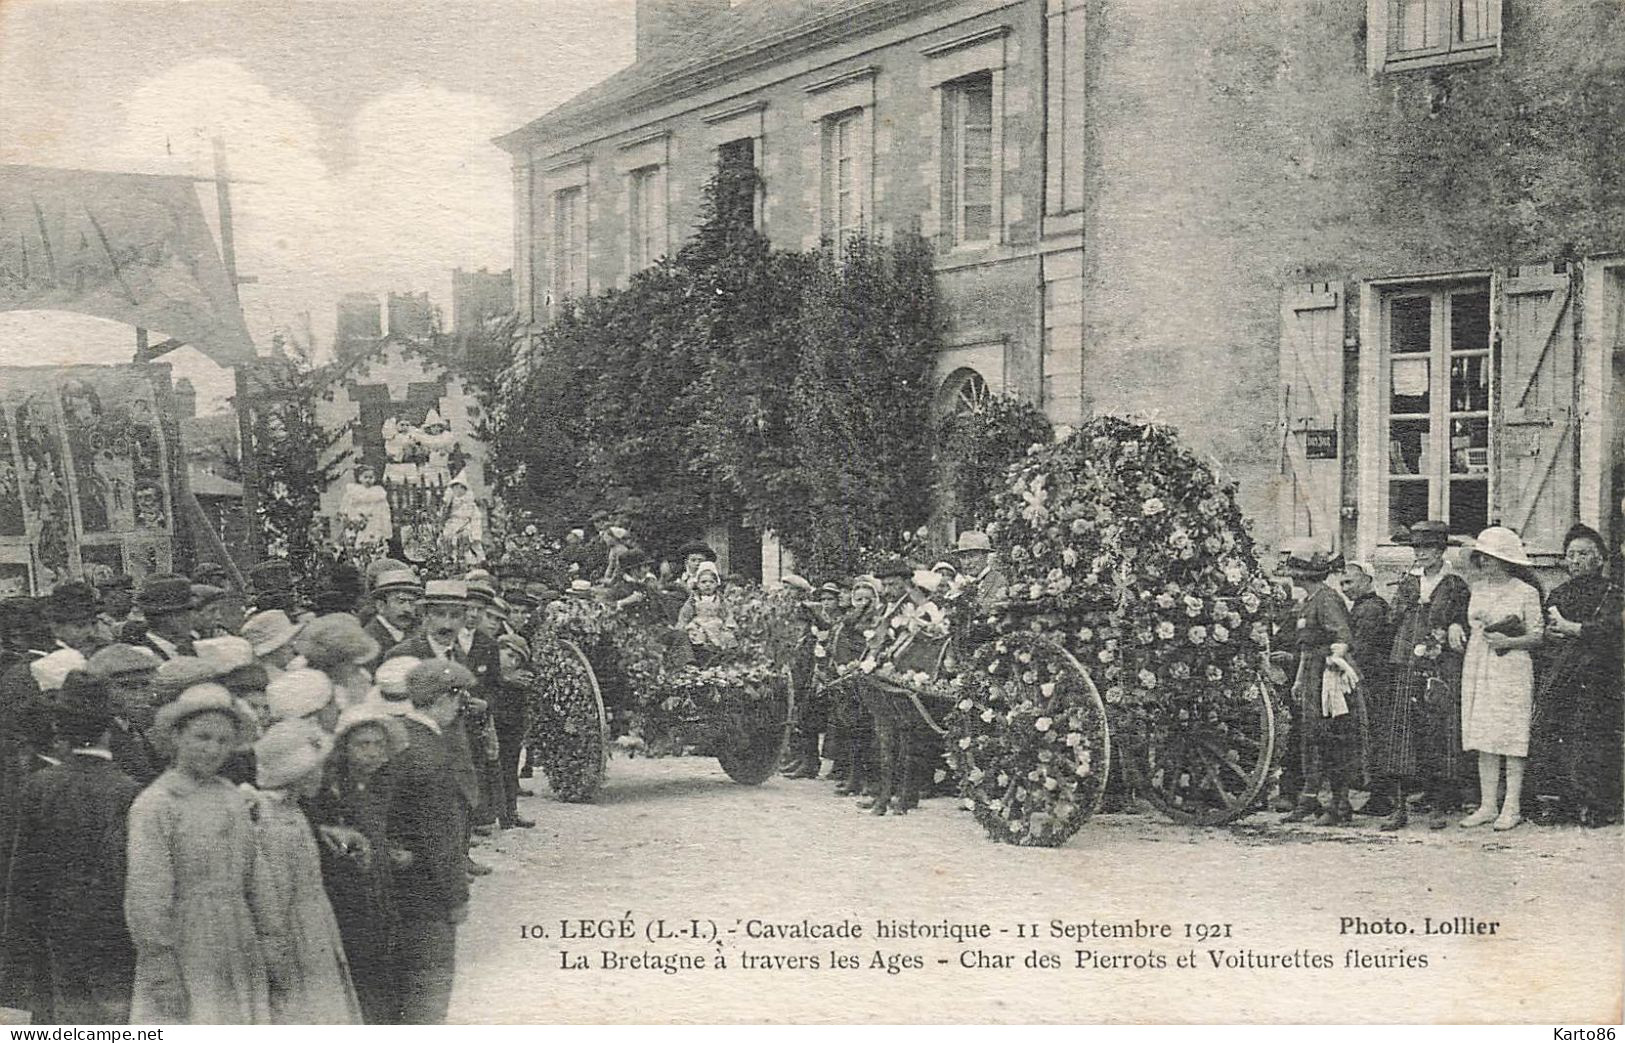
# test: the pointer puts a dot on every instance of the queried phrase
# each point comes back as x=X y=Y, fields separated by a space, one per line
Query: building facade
x=1368 y=256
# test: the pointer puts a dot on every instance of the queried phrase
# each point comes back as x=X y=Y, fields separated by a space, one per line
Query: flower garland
x=1027 y=740
x=565 y=716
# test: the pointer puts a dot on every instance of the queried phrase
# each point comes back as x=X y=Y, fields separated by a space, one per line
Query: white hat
x=460 y=478
x=269 y=630
x=1502 y=543
x=50 y=671
x=298 y=693
x=433 y=418
x=288 y=751
x=380 y=714
x=445 y=591
x=390 y=677
x=795 y=582
x=973 y=540
x=225 y=654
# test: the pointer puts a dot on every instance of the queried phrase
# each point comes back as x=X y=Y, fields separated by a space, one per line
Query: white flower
x=987 y=716
x=1069 y=557
x=1033 y=776
x=976 y=775
x=964 y=704
x=964 y=743
x=1221 y=633
x=1148 y=680
x=1198 y=634
x=1043 y=723
x=1165 y=600
x=1085 y=635
x=1003 y=779
x=1152 y=506
x=1051 y=784
x=1074 y=738
x=1165 y=630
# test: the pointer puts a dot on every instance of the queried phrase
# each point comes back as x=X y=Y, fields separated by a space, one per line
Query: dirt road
x=1526 y=925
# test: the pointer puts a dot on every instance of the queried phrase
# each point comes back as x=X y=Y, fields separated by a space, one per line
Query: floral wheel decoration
x=1130 y=551
x=570 y=723
x=1028 y=741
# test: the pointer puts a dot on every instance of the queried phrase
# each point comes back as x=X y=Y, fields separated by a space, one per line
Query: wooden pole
x=242 y=372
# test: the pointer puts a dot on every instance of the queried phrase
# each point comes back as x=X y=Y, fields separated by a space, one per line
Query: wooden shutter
x=1535 y=492
x=1311 y=405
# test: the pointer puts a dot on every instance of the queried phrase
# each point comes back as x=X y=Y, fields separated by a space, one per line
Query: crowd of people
x=1467 y=668
x=225 y=805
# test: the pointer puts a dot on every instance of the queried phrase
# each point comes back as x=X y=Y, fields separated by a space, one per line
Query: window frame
x=955 y=125
x=1383 y=18
x=1376 y=461
x=645 y=234
x=855 y=122
x=569 y=255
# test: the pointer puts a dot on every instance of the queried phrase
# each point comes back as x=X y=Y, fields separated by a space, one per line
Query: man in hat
x=395 y=596
x=206 y=601
x=67 y=875
x=986 y=583
x=429 y=823
x=165 y=602
x=509 y=714
x=272 y=585
x=128 y=672
x=270 y=634
x=74 y=613
x=445 y=609
x=481 y=655
x=118 y=597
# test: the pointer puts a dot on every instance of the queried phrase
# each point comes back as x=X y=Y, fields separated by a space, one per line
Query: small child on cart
x=706 y=617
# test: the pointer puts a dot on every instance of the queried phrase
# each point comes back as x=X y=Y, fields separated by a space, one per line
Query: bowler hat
x=212 y=573
x=164 y=592
x=270 y=577
x=697 y=547
x=83 y=695
x=205 y=594
x=73 y=602
x=1426 y=533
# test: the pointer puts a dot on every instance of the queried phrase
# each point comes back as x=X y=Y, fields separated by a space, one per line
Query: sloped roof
x=718 y=48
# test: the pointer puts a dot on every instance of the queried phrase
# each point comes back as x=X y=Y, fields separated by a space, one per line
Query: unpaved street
x=675 y=839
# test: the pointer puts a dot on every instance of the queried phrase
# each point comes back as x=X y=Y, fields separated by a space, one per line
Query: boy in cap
x=128 y=672
x=67 y=881
x=429 y=823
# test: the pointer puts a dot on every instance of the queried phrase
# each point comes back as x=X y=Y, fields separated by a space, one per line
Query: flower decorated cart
x=1127 y=565
x=606 y=677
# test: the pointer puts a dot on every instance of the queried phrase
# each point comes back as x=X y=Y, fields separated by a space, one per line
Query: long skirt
x=1417 y=731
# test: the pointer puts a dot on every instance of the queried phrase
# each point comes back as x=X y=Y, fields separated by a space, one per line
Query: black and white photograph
x=812 y=512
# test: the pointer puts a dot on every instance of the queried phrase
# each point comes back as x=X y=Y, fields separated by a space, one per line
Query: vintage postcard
x=812 y=511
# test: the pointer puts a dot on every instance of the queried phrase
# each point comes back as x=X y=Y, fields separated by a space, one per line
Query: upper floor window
x=738 y=196
x=968 y=157
x=1432 y=32
x=1437 y=395
x=569 y=243
x=645 y=217
x=843 y=172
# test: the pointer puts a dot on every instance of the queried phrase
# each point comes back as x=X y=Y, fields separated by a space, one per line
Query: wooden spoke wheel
x=1210 y=768
x=754 y=729
x=575 y=730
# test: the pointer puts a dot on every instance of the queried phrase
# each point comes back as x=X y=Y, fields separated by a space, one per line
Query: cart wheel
x=1211 y=771
x=575 y=756
x=752 y=738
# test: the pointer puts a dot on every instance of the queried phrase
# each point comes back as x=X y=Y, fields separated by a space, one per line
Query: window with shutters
x=645 y=217
x=1413 y=33
x=968 y=157
x=1437 y=456
x=569 y=243
x=844 y=163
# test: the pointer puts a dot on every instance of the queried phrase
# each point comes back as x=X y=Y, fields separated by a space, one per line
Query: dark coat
x=386 y=641
x=1373 y=639
x=458 y=736
x=67 y=876
x=134 y=753
x=427 y=819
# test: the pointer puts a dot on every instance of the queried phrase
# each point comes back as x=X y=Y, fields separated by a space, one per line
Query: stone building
x=1369 y=256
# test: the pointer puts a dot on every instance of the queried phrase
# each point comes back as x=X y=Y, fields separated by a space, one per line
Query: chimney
x=185 y=400
x=664 y=24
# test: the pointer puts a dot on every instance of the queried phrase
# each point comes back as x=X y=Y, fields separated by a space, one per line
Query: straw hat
x=298 y=693
x=120 y=660
x=445 y=592
x=1306 y=558
x=289 y=751
x=269 y=630
x=1503 y=544
x=1426 y=533
x=945 y=568
x=225 y=654
x=397 y=579
x=363 y=714
x=973 y=540
x=200 y=698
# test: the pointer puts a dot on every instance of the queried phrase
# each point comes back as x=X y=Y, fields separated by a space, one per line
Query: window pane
x=1475 y=21
x=1410 y=326
x=1407 y=504
x=1414 y=24
x=1469 y=384
x=1469 y=505
x=1469 y=321
x=979 y=102
x=1408 y=447
x=1470 y=446
x=1409 y=385
x=978 y=222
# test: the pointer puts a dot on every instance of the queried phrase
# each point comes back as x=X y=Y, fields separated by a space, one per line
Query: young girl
x=359 y=875
x=706 y=616
x=191 y=873
x=1497 y=674
x=304 y=955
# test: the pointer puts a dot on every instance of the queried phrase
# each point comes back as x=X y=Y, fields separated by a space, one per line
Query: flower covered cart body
x=605 y=677
x=1129 y=565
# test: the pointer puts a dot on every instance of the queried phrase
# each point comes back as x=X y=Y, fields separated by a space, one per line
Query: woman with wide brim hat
x=1498 y=673
x=190 y=874
x=1328 y=713
x=1416 y=733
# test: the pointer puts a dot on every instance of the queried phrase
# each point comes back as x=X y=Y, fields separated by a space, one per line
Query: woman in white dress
x=1498 y=675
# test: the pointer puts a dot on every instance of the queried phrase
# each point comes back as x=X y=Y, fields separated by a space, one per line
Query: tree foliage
x=976 y=447
x=787 y=389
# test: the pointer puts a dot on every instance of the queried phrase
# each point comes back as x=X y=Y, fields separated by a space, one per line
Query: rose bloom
x=1043 y=724
x=1148 y=680
x=1085 y=634
x=1165 y=600
x=1193 y=606
x=987 y=716
x=1180 y=671
x=1221 y=633
x=1165 y=630
x=1074 y=738
x=1215 y=674
x=1152 y=506
x=1198 y=634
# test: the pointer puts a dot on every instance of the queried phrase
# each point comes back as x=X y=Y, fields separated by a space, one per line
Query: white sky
x=360 y=130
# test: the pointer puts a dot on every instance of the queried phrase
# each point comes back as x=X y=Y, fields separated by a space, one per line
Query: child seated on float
x=706 y=616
